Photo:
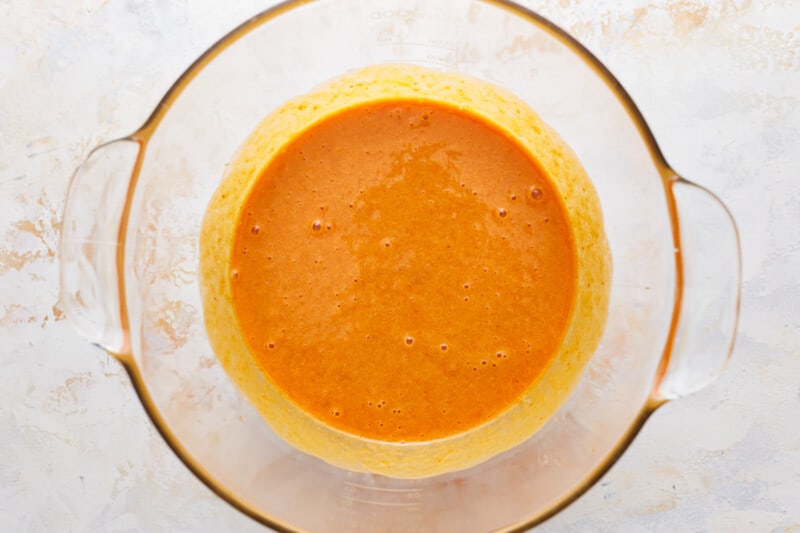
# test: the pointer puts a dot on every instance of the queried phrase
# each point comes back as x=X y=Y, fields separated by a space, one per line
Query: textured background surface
x=719 y=82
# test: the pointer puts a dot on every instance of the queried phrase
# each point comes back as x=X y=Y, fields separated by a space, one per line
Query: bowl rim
x=668 y=175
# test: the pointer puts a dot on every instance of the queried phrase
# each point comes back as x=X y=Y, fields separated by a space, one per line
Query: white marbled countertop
x=719 y=83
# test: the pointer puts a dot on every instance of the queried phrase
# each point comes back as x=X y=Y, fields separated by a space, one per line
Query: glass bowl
x=129 y=258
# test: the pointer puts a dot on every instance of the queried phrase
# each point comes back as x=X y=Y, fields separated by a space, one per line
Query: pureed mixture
x=404 y=257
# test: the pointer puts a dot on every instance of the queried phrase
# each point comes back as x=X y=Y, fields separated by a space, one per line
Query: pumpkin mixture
x=403 y=263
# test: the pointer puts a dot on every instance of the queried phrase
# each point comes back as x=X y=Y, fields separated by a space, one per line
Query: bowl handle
x=91 y=255
x=709 y=259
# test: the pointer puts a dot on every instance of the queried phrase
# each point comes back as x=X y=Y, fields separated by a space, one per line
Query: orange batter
x=403 y=270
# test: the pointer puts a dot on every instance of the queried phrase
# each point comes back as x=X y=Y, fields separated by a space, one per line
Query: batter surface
x=403 y=270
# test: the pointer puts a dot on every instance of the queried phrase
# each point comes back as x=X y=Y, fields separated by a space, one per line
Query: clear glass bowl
x=129 y=257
